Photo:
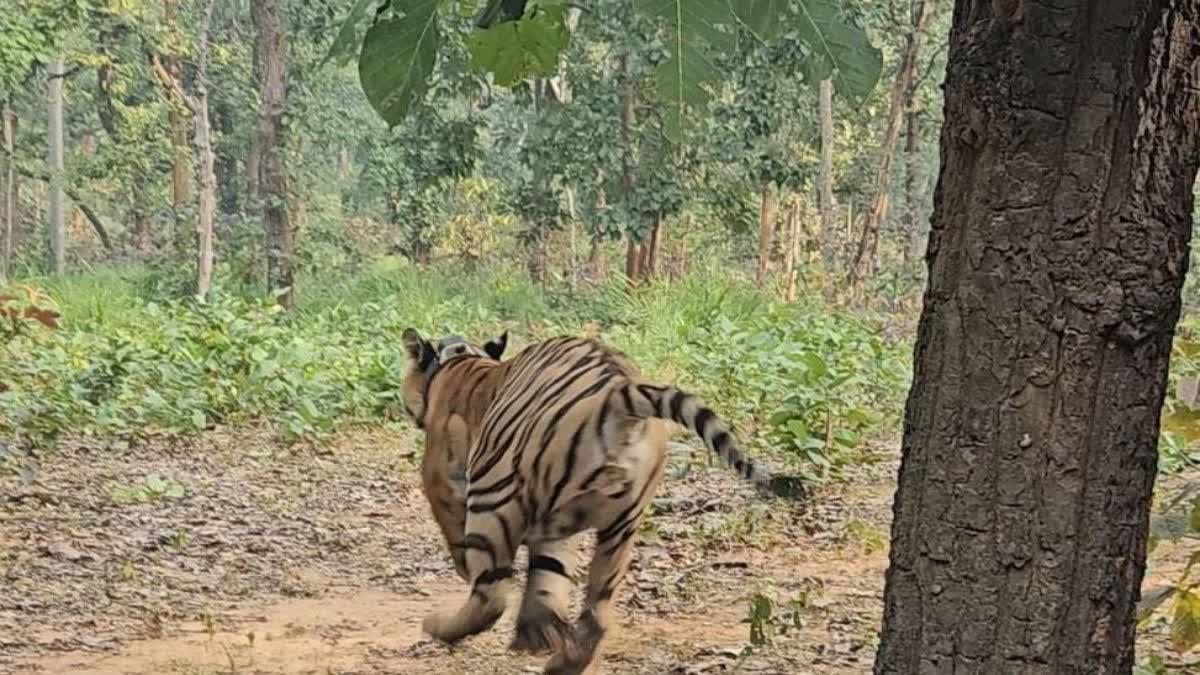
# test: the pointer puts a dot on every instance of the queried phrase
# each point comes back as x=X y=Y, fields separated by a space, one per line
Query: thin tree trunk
x=767 y=214
x=912 y=167
x=825 y=193
x=792 y=254
x=272 y=48
x=864 y=260
x=56 y=215
x=140 y=216
x=207 y=198
x=633 y=251
x=178 y=121
x=1058 y=249
x=9 y=212
x=87 y=147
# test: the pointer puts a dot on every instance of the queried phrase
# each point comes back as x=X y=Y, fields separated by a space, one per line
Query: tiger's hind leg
x=610 y=562
x=490 y=542
x=614 y=550
x=543 y=623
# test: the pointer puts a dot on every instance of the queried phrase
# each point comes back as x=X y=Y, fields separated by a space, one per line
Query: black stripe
x=508 y=537
x=545 y=563
x=572 y=451
x=486 y=507
x=603 y=417
x=628 y=400
x=491 y=576
x=478 y=542
x=721 y=442
x=677 y=407
x=704 y=417
x=587 y=482
x=494 y=487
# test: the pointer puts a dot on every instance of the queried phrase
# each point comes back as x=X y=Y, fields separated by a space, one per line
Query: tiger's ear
x=418 y=348
x=495 y=348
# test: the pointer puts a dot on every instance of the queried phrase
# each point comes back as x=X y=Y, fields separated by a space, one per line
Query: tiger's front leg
x=490 y=544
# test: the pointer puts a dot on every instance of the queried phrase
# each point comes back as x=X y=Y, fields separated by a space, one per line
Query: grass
x=130 y=359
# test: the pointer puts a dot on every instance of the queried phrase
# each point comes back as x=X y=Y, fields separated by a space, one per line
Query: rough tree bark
x=1059 y=245
x=912 y=169
x=177 y=118
x=825 y=191
x=271 y=46
x=633 y=249
x=9 y=212
x=792 y=250
x=767 y=214
x=197 y=106
x=207 y=198
x=863 y=265
x=56 y=216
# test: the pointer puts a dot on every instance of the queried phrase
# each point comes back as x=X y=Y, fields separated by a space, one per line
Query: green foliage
x=153 y=488
x=398 y=53
x=527 y=47
x=1177 y=603
x=124 y=364
x=400 y=48
x=825 y=379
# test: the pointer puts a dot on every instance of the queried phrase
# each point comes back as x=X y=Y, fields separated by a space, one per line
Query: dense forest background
x=205 y=226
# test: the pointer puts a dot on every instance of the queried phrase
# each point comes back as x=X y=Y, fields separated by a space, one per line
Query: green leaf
x=515 y=50
x=199 y=420
x=344 y=45
x=397 y=58
x=1185 y=629
x=839 y=50
x=764 y=18
x=695 y=28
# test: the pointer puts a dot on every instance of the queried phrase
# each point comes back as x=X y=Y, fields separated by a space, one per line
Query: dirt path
x=278 y=561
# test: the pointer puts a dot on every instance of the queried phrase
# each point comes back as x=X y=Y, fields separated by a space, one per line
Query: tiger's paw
x=544 y=631
x=438 y=626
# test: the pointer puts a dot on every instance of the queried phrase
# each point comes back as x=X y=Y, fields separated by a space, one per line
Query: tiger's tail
x=669 y=403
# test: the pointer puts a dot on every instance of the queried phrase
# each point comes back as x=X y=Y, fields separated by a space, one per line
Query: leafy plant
x=401 y=45
x=1179 y=521
x=152 y=488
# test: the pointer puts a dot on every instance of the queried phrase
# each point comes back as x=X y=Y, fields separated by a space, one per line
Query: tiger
x=562 y=438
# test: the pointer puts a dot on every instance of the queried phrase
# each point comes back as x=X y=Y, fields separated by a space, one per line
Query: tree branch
x=88 y=211
x=169 y=84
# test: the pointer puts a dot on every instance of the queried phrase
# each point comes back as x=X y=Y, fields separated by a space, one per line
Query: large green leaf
x=696 y=28
x=515 y=50
x=764 y=18
x=397 y=58
x=346 y=42
x=840 y=50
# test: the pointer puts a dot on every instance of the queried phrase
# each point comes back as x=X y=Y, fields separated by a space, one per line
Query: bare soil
x=305 y=560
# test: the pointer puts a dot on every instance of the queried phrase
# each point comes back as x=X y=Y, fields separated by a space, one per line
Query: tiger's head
x=425 y=358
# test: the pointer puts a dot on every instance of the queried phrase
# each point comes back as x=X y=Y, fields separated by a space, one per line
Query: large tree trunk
x=868 y=246
x=8 y=212
x=272 y=180
x=767 y=214
x=825 y=192
x=56 y=216
x=1059 y=245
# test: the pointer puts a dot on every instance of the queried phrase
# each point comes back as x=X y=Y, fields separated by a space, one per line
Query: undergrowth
x=124 y=362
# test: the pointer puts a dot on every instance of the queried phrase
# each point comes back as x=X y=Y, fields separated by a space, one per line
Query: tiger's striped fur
x=562 y=438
